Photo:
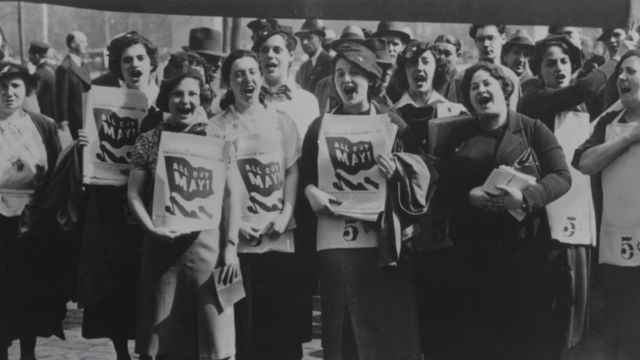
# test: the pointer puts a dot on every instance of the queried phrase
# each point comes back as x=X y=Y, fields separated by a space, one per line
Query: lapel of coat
x=511 y=141
x=81 y=72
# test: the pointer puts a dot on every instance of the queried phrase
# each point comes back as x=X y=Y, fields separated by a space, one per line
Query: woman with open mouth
x=368 y=305
x=176 y=318
x=271 y=320
x=559 y=102
x=107 y=284
x=505 y=300
x=433 y=257
x=612 y=153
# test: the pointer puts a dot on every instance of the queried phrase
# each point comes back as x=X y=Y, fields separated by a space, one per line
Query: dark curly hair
x=495 y=71
x=228 y=98
x=475 y=27
x=119 y=44
x=174 y=74
x=376 y=87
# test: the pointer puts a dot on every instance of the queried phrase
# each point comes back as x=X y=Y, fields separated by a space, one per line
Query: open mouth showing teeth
x=349 y=90
x=561 y=77
x=625 y=89
x=248 y=90
x=420 y=78
x=185 y=110
x=135 y=74
x=484 y=100
x=271 y=65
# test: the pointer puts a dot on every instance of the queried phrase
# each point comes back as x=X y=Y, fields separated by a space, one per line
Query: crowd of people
x=449 y=269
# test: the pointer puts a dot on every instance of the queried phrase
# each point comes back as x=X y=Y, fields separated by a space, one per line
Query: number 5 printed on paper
x=626 y=248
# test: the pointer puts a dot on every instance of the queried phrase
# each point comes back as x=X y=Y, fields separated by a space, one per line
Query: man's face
x=446 y=55
x=614 y=40
x=80 y=44
x=489 y=42
x=34 y=58
x=572 y=33
x=310 y=43
x=394 y=44
x=517 y=59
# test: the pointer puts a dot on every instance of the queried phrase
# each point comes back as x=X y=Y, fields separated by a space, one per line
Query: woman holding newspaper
x=366 y=283
x=560 y=104
x=499 y=229
x=111 y=239
x=612 y=152
x=267 y=147
x=31 y=303
x=184 y=258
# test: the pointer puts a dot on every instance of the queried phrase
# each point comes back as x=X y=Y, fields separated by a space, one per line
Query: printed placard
x=189 y=182
x=112 y=118
x=347 y=167
x=261 y=163
x=572 y=216
x=341 y=233
x=620 y=228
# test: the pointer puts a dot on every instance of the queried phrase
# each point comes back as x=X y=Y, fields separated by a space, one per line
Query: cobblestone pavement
x=77 y=348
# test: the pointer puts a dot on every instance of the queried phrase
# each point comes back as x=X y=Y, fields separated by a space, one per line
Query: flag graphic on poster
x=347 y=167
x=260 y=162
x=189 y=182
x=112 y=118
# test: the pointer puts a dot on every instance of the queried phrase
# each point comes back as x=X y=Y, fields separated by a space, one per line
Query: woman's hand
x=510 y=199
x=247 y=231
x=483 y=200
x=83 y=139
x=165 y=235
x=386 y=166
x=279 y=224
x=320 y=201
x=230 y=264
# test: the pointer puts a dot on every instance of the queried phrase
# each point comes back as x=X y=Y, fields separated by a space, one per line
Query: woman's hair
x=228 y=98
x=119 y=44
x=495 y=71
x=376 y=87
x=628 y=54
x=168 y=84
x=402 y=82
x=563 y=43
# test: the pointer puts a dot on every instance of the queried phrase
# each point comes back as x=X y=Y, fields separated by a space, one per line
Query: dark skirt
x=109 y=268
x=621 y=312
x=368 y=312
x=33 y=285
x=274 y=319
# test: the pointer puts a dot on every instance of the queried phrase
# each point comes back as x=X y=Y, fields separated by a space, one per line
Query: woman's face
x=485 y=92
x=135 y=65
x=420 y=73
x=351 y=82
x=12 y=94
x=629 y=82
x=245 y=81
x=275 y=58
x=555 y=68
x=184 y=99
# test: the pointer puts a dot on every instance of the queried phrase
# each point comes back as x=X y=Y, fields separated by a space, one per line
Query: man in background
x=46 y=75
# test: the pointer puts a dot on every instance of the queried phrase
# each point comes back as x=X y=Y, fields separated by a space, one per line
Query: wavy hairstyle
x=495 y=71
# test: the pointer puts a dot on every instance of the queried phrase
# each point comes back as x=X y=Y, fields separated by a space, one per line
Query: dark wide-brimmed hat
x=379 y=47
x=272 y=29
x=349 y=33
x=38 y=47
x=359 y=55
x=206 y=41
x=392 y=28
x=9 y=70
x=559 y=40
x=520 y=38
x=311 y=26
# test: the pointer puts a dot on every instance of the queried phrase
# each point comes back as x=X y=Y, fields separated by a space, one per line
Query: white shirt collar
x=406 y=99
x=314 y=58
x=76 y=59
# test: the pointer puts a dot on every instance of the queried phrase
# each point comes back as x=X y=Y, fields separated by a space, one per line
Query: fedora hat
x=519 y=38
x=205 y=41
x=392 y=28
x=311 y=26
x=352 y=33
